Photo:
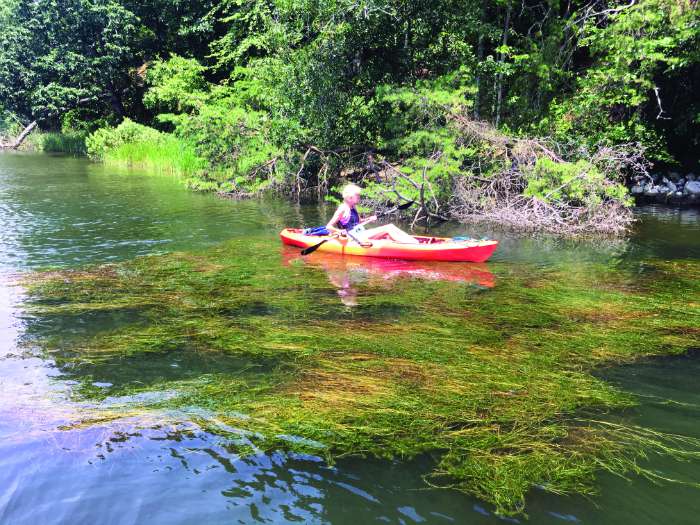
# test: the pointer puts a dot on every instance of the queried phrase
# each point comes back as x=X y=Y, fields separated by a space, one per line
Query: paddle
x=358 y=241
x=312 y=249
x=401 y=207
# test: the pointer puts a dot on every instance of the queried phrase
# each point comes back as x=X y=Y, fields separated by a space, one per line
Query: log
x=27 y=130
x=21 y=137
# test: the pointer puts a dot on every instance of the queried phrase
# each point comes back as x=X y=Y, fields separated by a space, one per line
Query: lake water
x=58 y=212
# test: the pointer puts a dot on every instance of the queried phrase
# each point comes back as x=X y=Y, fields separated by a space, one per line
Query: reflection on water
x=62 y=211
x=134 y=470
x=349 y=273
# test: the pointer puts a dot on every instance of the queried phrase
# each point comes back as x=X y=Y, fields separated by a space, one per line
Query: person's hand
x=372 y=218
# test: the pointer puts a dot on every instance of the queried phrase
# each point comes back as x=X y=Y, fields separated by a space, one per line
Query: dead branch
x=660 y=116
x=17 y=142
x=500 y=197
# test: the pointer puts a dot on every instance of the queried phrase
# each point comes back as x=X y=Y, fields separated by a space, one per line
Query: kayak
x=426 y=249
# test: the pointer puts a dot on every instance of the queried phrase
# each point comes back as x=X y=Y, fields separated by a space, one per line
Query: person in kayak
x=346 y=218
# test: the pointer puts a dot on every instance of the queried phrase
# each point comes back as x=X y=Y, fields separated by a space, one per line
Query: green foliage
x=579 y=183
x=634 y=51
x=104 y=140
x=56 y=53
x=84 y=121
x=416 y=128
x=251 y=85
x=177 y=85
x=9 y=125
x=233 y=138
x=424 y=107
x=217 y=121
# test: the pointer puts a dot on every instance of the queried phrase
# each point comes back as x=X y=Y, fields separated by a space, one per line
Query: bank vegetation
x=533 y=115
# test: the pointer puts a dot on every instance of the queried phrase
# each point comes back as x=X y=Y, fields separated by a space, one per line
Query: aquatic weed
x=498 y=384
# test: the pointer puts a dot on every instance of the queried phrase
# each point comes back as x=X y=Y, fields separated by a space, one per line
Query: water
x=66 y=213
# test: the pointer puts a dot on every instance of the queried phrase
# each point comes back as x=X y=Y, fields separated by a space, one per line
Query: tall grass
x=68 y=143
x=135 y=145
x=166 y=155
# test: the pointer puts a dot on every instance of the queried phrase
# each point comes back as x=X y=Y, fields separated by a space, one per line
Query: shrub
x=106 y=140
x=575 y=183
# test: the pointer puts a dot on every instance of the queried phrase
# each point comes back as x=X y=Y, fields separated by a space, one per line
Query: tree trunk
x=479 y=59
x=502 y=57
x=117 y=103
x=21 y=137
x=408 y=46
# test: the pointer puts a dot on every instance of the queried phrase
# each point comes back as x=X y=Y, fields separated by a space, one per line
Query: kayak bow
x=427 y=248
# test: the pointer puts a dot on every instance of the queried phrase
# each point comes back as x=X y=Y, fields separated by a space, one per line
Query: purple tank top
x=351 y=221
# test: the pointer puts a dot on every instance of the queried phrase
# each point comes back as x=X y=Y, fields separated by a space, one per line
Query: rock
x=663 y=190
x=637 y=189
x=681 y=181
x=678 y=194
x=651 y=191
x=691 y=176
x=692 y=188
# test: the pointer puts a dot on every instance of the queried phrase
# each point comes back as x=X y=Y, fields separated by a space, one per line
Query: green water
x=68 y=213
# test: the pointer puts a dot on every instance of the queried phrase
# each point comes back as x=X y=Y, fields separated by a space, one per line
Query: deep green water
x=62 y=212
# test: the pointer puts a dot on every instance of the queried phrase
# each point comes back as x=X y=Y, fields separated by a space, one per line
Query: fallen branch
x=15 y=144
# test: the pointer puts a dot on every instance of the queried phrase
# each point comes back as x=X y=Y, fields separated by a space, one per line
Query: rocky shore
x=671 y=188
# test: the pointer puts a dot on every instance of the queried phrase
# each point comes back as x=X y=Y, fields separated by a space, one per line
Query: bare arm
x=331 y=226
x=371 y=218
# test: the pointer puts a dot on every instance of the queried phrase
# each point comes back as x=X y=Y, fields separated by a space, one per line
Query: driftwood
x=17 y=142
x=500 y=198
x=501 y=201
x=490 y=187
x=429 y=208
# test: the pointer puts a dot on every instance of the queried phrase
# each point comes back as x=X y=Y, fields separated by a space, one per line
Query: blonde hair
x=350 y=190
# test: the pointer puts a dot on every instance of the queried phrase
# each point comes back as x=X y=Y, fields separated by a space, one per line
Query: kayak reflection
x=347 y=272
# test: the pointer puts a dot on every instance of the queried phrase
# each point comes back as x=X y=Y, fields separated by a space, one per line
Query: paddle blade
x=400 y=207
x=312 y=249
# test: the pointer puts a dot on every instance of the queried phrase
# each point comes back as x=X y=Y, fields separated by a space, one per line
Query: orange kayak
x=426 y=249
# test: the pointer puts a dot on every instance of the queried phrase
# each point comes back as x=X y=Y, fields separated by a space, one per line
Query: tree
x=58 y=54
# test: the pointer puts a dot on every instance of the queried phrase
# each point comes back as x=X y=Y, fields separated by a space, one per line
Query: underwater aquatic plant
x=498 y=384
